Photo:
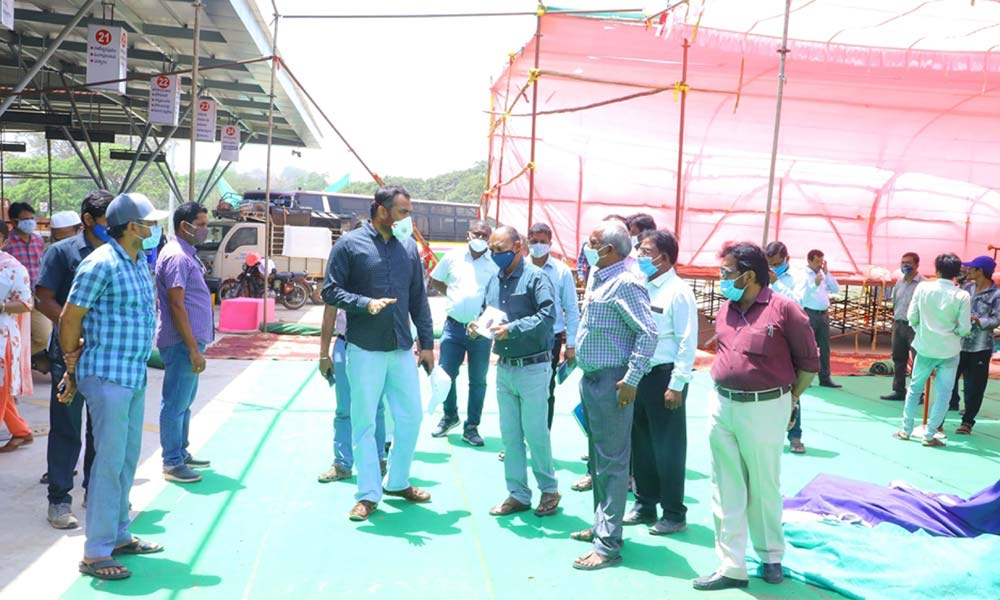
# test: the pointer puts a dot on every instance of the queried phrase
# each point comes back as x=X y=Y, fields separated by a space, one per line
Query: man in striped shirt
x=615 y=343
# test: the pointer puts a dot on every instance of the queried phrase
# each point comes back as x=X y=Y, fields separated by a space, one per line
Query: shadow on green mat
x=151 y=574
x=412 y=521
x=491 y=444
x=147 y=523
x=573 y=466
x=555 y=527
x=433 y=458
x=212 y=483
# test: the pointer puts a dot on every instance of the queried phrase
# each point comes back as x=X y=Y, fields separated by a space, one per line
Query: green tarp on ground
x=887 y=562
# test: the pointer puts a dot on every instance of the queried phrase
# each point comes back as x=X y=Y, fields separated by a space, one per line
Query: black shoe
x=444 y=426
x=472 y=437
x=830 y=384
x=638 y=517
x=713 y=582
x=954 y=407
x=893 y=396
x=771 y=572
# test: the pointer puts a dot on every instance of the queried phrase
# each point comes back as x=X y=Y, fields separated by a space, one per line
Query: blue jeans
x=343 y=454
x=455 y=344
x=372 y=374
x=945 y=381
x=180 y=386
x=117 y=413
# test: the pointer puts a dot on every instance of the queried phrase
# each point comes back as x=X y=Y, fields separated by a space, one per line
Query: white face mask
x=478 y=246
x=403 y=229
x=635 y=241
x=27 y=226
x=539 y=250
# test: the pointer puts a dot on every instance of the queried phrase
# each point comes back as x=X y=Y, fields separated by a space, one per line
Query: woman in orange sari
x=15 y=368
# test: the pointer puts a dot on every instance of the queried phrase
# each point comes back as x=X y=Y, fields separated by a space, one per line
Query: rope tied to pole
x=680 y=87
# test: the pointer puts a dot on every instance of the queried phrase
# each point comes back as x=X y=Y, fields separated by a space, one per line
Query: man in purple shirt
x=767 y=357
x=184 y=326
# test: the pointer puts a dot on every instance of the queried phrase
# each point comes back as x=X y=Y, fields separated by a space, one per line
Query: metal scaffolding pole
x=194 y=95
x=135 y=158
x=213 y=182
x=159 y=147
x=44 y=58
x=267 y=183
x=777 y=122
x=86 y=136
x=678 y=209
x=534 y=118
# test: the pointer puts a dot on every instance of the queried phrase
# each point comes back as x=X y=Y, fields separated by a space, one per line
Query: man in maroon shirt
x=767 y=357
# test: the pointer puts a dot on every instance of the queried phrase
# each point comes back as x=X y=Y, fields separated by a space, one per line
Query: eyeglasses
x=725 y=273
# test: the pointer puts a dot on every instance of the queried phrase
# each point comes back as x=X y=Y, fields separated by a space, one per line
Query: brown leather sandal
x=548 y=505
x=509 y=507
x=585 y=535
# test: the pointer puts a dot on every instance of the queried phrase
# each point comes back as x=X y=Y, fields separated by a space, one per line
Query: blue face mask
x=906 y=269
x=648 y=266
x=729 y=289
x=781 y=269
x=503 y=259
x=101 y=233
x=154 y=238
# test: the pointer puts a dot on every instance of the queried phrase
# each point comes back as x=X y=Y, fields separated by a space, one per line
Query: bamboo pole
x=777 y=122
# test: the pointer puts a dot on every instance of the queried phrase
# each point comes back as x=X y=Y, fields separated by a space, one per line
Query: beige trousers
x=41 y=329
x=747 y=439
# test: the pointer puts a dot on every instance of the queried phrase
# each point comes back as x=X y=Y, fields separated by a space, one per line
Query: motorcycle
x=291 y=288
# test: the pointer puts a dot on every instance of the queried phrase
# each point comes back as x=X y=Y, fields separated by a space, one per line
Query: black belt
x=457 y=322
x=817 y=311
x=524 y=361
x=761 y=396
x=341 y=337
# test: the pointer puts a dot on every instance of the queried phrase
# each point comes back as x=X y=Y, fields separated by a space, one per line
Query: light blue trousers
x=945 y=381
x=372 y=374
x=116 y=412
x=523 y=399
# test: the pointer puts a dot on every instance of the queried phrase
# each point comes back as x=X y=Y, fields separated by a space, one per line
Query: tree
x=465 y=185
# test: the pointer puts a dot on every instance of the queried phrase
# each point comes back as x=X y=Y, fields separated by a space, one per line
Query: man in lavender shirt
x=184 y=326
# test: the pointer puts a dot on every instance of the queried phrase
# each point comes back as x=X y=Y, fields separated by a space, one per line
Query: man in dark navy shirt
x=52 y=289
x=523 y=344
x=376 y=275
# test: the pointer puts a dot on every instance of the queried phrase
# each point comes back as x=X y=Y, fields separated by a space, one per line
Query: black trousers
x=902 y=348
x=66 y=423
x=659 y=447
x=974 y=368
x=556 y=353
x=819 y=320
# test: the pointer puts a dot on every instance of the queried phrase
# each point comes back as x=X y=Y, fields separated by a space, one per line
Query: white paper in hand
x=490 y=318
x=440 y=386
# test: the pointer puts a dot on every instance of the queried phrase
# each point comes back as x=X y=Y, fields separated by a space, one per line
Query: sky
x=410 y=95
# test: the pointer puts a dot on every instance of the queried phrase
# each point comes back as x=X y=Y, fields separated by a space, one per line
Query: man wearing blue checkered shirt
x=614 y=345
x=111 y=306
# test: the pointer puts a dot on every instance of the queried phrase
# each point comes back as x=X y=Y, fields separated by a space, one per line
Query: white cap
x=66 y=218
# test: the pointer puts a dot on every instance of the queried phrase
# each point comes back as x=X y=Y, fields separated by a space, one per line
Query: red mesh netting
x=882 y=151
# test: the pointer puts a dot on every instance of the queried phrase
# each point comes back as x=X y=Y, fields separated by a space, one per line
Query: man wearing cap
x=977 y=348
x=461 y=276
x=185 y=325
x=64 y=224
x=524 y=349
x=940 y=314
x=66 y=419
x=112 y=307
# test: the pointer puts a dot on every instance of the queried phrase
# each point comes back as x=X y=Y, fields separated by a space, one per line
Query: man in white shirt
x=567 y=308
x=902 y=333
x=815 y=288
x=782 y=277
x=659 y=428
x=462 y=275
x=941 y=315
x=638 y=224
